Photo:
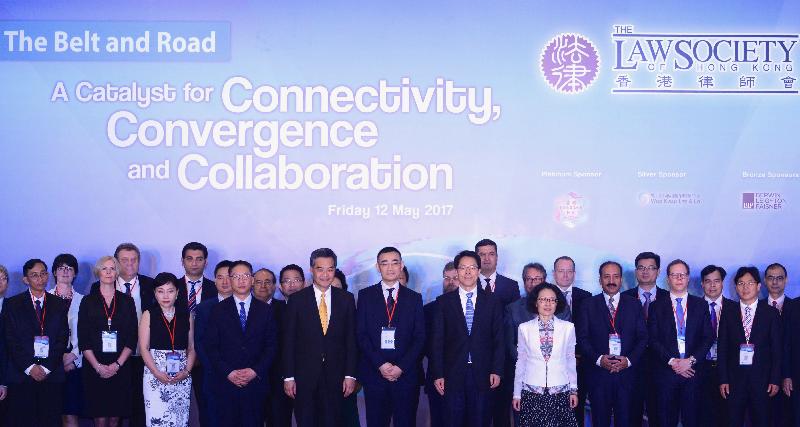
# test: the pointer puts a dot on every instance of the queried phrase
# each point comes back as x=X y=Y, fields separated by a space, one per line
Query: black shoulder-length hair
x=561 y=303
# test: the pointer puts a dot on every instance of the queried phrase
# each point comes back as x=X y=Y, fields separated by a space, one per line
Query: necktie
x=242 y=315
x=488 y=284
x=469 y=314
x=568 y=308
x=748 y=322
x=775 y=304
x=714 y=321
x=323 y=314
x=569 y=300
x=679 y=317
x=192 y=295
x=611 y=306
x=128 y=289
x=390 y=300
x=38 y=305
x=646 y=305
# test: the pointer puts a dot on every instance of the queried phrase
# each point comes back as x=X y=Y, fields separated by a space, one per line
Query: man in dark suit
x=564 y=273
x=3 y=353
x=749 y=350
x=390 y=329
x=791 y=358
x=714 y=411
x=680 y=336
x=435 y=400
x=208 y=408
x=775 y=278
x=36 y=334
x=468 y=355
x=319 y=351
x=645 y=399
x=612 y=339
x=241 y=342
x=194 y=258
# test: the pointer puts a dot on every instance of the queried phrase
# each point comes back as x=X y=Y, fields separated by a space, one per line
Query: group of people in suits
x=140 y=349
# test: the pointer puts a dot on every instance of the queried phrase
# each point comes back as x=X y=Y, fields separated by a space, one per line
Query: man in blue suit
x=3 y=355
x=435 y=400
x=390 y=330
x=241 y=343
x=680 y=335
x=467 y=352
x=208 y=411
x=611 y=340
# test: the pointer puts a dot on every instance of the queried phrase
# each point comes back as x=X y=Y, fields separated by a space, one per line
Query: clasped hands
x=390 y=372
x=682 y=367
x=613 y=364
x=241 y=377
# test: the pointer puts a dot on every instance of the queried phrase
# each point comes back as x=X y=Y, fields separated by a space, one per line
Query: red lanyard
x=613 y=318
x=681 y=322
x=44 y=312
x=394 y=307
x=113 y=308
x=171 y=330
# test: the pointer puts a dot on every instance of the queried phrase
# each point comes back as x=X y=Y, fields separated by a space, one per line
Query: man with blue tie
x=390 y=329
x=612 y=339
x=241 y=343
x=435 y=400
x=467 y=352
x=714 y=412
x=680 y=336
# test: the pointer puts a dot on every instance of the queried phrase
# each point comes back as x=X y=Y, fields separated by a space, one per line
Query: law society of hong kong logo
x=570 y=63
x=570 y=210
x=763 y=201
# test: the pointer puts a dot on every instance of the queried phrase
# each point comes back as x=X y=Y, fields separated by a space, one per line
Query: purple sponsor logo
x=570 y=63
x=748 y=200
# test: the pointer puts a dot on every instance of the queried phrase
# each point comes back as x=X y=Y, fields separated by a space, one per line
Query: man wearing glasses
x=470 y=364
x=680 y=335
x=648 y=265
x=435 y=400
x=775 y=279
x=292 y=280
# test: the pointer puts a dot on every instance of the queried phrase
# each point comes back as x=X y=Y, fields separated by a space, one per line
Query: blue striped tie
x=242 y=315
x=469 y=316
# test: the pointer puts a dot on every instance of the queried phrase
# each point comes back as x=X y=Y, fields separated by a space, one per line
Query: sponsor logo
x=570 y=63
x=763 y=201
x=570 y=210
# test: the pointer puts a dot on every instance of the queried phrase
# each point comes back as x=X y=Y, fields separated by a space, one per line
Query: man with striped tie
x=470 y=364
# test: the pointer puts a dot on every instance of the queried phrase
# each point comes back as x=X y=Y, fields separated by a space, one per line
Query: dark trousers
x=645 y=397
x=748 y=396
x=243 y=407
x=780 y=409
x=137 y=409
x=319 y=404
x=500 y=399
x=387 y=402
x=678 y=399
x=795 y=401
x=278 y=406
x=611 y=396
x=435 y=405
x=202 y=395
x=714 y=412
x=34 y=404
x=468 y=407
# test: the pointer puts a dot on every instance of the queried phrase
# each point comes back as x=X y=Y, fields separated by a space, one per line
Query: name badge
x=41 y=347
x=109 y=341
x=712 y=353
x=387 y=338
x=173 y=364
x=614 y=345
x=682 y=346
x=746 y=353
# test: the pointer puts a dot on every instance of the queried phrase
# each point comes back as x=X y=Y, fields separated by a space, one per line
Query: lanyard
x=113 y=308
x=681 y=322
x=613 y=318
x=44 y=312
x=172 y=329
x=394 y=307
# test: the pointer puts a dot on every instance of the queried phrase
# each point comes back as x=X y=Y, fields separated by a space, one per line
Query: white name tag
x=387 y=338
x=746 y=353
x=713 y=352
x=682 y=346
x=41 y=347
x=173 y=364
x=109 y=341
x=614 y=345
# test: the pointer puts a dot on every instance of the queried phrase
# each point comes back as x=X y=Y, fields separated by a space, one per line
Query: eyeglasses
x=245 y=276
x=748 y=284
x=65 y=269
x=775 y=278
x=646 y=268
x=37 y=275
x=468 y=268
x=291 y=281
x=450 y=277
x=536 y=279
x=678 y=276
x=263 y=282
x=547 y=300
x=4 y=278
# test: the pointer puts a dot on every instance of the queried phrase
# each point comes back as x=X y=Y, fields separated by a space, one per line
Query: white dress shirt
x=246 y=302
x=652 y=291
x=463 y=295
x=198 y=289
x=318 y=297
x=33 y=302
x=492 y=281
x=752 y=312
x=614 y=304
x=385 y=287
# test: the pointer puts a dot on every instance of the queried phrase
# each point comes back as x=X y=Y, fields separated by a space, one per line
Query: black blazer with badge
x=767 y=337
x=209 y=291
x=145 y=285
x=662 y=333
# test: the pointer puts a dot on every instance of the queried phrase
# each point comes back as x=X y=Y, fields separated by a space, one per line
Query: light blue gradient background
x=64 y=186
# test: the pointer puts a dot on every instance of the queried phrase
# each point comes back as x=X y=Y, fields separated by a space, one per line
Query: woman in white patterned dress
x=167 y=346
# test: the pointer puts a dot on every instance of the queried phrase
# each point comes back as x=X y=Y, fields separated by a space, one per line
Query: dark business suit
x=780 y=404
x=279 y=406
x=319 y=362
x=435 y=400
x=678 y=396
x=571 y=314
x=791 y=354
x=206 y=402
x=385 y=400
x=611 y=392
x=506 y=291
x=229 y=348
x=34 y=403
x=3 y=368
x=466 y=385
x=748 y=384
x=646 y=392
x=182 y=302
x=146 y=294
x=714 y=410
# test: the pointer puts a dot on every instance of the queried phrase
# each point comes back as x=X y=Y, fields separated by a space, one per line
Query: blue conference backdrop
x=268 y=129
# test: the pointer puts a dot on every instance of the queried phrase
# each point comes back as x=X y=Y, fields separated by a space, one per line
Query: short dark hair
x=561 y=301
x=29 y=264
x=448 y=266
x=195 y=246
x=271 y=273
x=676 y=262
x=536 y=266
x=776 y=265
x=127 y=246
x=225 y=263
x=164 y=278
x=485 y=242
x=291 y=267
x=241 y=262
x=468 y=254
x=710 y=269
x=65 y=259
x=563 y=258
x=648 y=255
x=753 y=271
x=407 y=274
x=388 y=250
x=342 y=278
x=322 y=253
x=607 y=263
